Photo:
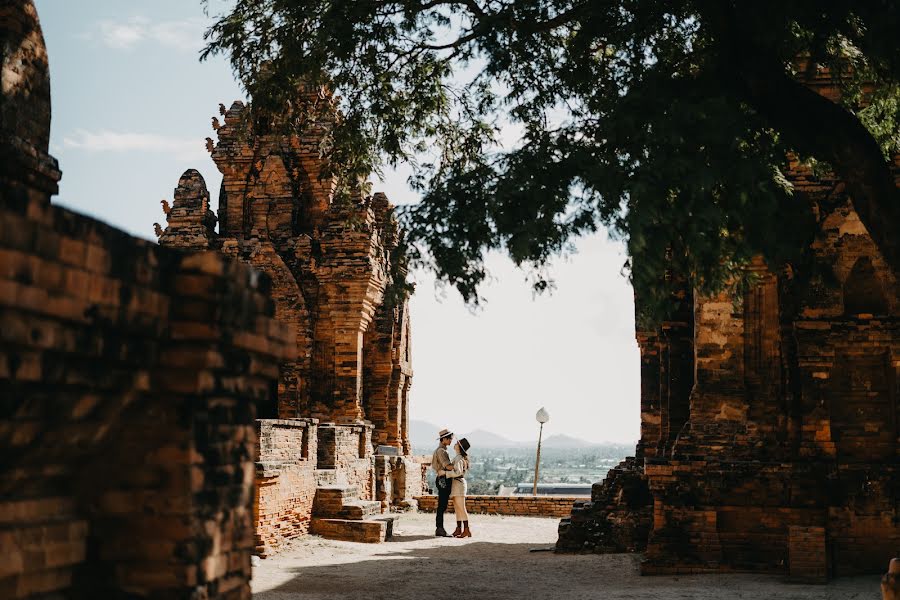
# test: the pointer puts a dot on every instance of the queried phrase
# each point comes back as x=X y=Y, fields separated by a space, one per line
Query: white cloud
x=125 y=141
x=123 y=35
x=184 y=35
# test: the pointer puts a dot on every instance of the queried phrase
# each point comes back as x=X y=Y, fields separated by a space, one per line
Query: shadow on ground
x=486 y=570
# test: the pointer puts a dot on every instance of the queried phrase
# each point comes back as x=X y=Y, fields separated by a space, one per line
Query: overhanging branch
x=816 y=126
x=811 y=124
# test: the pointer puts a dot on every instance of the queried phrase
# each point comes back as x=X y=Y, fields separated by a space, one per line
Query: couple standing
x=451 y=483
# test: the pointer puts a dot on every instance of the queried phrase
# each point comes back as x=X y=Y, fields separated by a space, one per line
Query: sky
x=132 y=107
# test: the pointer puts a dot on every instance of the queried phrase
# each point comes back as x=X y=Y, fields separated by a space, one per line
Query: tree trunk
x=810 y=123
x=818 y=127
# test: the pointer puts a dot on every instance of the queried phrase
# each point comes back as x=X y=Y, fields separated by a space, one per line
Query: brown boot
x=458 y=532
x=466 y=531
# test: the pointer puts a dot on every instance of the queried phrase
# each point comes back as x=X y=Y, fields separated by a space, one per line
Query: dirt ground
x=496 y=563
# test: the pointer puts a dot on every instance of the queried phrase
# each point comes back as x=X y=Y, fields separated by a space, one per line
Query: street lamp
x=542 y=417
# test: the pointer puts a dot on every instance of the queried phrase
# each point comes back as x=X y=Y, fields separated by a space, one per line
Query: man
x=440 y=462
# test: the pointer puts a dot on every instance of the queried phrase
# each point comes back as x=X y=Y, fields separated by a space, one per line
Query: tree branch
x=818 y=127
x=471 y=5
x=559 y=20
x=475 y=33
x=812 y=124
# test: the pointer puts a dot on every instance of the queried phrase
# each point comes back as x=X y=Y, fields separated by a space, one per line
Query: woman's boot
x=466 y=532
x=458 y=532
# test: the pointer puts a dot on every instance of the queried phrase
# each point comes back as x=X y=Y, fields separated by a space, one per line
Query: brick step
x=360 y=509
x=331 y=500
x=345 y=492
x=369 y=531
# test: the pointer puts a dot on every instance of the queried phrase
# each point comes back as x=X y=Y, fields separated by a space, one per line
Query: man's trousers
x=443 y=494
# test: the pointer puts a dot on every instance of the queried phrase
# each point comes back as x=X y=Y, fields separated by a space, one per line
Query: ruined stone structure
x=338 y=284
x=769 y=434
x=129 y=380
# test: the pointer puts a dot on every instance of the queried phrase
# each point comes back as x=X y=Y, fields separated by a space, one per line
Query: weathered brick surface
x=617 y=518
x=371 y=531
x=129 y=380
x=792 y=416
x=387 y=377
x=332 y=264
x=807 y=553
x=347 y=450
x=132 y=374
x=400 y=480
x=25 y=165
x=522 y=506
x=285 y=481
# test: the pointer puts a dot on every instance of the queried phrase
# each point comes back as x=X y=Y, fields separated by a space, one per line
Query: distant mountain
x=563 y=441
x=423 y=435
x=486 y=439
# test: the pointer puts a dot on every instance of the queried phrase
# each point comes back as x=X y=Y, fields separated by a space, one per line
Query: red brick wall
x=129 y=380
x=285 y=481
x=522 y=506
x=399 y=480
x=133 y=374
x=348 y=450
x=793 y=416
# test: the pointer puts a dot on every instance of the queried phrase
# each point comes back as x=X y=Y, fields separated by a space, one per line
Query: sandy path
x=496 y=563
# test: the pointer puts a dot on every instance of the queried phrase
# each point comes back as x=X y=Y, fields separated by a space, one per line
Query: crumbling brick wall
x=334 y=272
x=331 y=262
x=346 y=449
x=129 y=379
x=778 y=452
x=793 y=414
x=400 y=480
x=285 y=481
x=388 y=375
x=131 y=376
x=619 y=515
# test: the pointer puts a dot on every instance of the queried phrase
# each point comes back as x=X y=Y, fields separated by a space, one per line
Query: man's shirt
x=440 y=460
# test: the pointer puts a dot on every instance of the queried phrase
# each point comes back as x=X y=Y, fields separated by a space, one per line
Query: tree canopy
x=666 y=121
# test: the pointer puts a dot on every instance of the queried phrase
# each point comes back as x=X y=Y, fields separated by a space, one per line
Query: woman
x=460 y=466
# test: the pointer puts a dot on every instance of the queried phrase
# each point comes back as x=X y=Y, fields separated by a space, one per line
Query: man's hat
x=464 y=444
x=444 y=433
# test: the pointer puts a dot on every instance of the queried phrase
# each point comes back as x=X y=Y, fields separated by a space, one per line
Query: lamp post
x=542 y=417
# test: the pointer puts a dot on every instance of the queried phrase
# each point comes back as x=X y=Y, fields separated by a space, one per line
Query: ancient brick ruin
x=769 y=435
x=167 y=410
x=129 y=380
x=132 y=374
x=338 y=283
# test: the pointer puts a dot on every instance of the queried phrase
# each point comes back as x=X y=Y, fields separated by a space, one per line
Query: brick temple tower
x=769 y=421
x=338 y=281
